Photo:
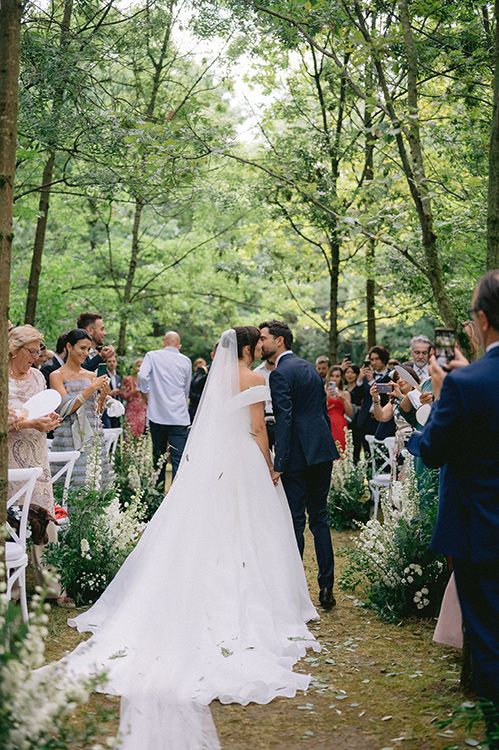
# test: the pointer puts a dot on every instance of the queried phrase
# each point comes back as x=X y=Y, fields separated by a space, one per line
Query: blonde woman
x=27 y=439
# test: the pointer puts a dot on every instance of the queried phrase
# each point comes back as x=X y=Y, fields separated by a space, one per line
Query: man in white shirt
x=165 y=377
x=420 y=353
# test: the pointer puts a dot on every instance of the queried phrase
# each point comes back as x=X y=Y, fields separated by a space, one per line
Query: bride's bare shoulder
x=248 y=379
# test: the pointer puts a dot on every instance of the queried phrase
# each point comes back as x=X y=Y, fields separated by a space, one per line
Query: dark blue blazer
x=462 y=437
x=303 y=431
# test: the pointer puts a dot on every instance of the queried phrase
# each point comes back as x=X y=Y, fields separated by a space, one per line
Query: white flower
x=84 y=546
x=410 y=579
x=424 y=590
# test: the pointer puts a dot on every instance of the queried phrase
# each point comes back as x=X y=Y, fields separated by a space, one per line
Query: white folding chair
x=68 y=459
x=383 y=466
x=49 y=443
x=16 y=557
x=111 y=437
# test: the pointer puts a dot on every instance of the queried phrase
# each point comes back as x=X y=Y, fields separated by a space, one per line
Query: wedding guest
x=44 y=356
x=339 y=406
x=462 y=437
x=57 y=359
x=93 y=324
x=351 y=374
x=197 y=385
x=83 y=395
x=165 y=378
x=27 y=441
x=322 y=366
x=135 y=407
x=115 y=383
x=420 y=354
x=374 y=370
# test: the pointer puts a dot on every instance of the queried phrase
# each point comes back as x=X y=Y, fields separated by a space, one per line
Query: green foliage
x=36 y=708
x=391 y=564
x=348 y=500
x=135 y=473
x=95 y=542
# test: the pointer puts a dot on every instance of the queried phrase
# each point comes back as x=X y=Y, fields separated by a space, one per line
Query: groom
x=304 y=447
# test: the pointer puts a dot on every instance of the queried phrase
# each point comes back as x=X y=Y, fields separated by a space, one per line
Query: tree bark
x=48 y=173
x=371 y=243
x=139 y=201
x=10 y=32
x=493 y=189
x=333 y=300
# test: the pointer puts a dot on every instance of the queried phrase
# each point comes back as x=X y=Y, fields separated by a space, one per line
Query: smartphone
x=101 y=369
x=347 y=358
x=332 y=388
x=367 y=363
x=384 y=387
x=444 y=346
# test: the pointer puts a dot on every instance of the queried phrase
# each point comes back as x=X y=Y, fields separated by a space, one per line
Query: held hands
x=275 y=476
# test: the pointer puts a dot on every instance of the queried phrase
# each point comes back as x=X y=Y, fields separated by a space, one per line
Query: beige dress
x=28 y=448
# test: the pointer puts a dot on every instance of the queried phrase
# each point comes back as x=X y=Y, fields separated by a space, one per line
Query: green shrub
x=135 y=471
x=348 y=499
x=391 y=562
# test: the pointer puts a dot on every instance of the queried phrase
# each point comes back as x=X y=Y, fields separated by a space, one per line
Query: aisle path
x=375 y=687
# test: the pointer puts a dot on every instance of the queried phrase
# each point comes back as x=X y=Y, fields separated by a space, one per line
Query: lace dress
x=28 y=448
x=64 y=435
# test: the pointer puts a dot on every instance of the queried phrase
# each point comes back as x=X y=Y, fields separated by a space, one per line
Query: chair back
x=27 y=477
x=68 y=459
x=381 y=455
x=111 y=437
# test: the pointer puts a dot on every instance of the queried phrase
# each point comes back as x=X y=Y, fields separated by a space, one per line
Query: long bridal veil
x=212 y=603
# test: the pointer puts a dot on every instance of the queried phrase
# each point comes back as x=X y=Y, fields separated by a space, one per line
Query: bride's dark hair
x=246 y=336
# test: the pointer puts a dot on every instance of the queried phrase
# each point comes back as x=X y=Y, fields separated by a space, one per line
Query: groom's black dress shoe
x=327 y=599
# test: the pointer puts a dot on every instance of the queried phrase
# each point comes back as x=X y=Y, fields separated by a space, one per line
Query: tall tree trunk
x=41 y=228
x=333 y=300
x=493 y=197
x=371 y=243
x=413 y=164
x=140 y=202
x=10 y=32
x=132 y=267
x=45 y=188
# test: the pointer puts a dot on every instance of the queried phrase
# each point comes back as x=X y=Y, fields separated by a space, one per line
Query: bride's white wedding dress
x=213 y=602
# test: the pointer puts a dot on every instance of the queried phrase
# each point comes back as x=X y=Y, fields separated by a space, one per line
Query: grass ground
x=375 y=686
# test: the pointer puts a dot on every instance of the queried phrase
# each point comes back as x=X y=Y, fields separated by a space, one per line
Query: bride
x=213 y=602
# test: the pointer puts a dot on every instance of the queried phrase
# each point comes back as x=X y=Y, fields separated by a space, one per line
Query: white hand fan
x=407 y=376
x=423 y=413
x=42 y=403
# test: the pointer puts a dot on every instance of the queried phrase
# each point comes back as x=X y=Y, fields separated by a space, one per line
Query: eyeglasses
x=33 y=352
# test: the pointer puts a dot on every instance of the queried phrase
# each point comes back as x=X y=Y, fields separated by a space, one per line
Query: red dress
x=135 y=409
x=336 y=411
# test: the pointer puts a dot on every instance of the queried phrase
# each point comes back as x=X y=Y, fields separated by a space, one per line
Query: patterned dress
x=135 y=409
x=64 y=436
x=28 y=448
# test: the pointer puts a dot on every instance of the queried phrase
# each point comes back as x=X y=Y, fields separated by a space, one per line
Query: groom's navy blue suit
x=304 y=452
x=462 y=437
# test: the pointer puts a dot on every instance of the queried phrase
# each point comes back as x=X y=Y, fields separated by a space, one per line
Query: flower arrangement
x=399 y=575
x=94 y=544
x=135 y=472
x=36 y=706
x=348 y=499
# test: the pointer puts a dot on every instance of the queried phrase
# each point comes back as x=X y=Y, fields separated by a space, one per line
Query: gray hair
x=424 y=339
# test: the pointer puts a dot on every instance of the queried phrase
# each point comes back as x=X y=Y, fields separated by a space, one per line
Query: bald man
x=165 y=378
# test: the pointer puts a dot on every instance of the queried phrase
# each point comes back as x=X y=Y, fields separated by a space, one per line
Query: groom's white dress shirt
x=165 y=375
x=283 y=354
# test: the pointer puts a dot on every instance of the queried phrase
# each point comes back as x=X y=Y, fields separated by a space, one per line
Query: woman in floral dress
x=135 y=409
x=27 y=438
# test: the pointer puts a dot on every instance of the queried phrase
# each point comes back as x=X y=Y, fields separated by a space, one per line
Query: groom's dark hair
x=278 y=328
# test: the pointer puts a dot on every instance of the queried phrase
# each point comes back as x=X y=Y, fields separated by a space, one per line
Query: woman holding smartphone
x=83 y=395
x=339 y=405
